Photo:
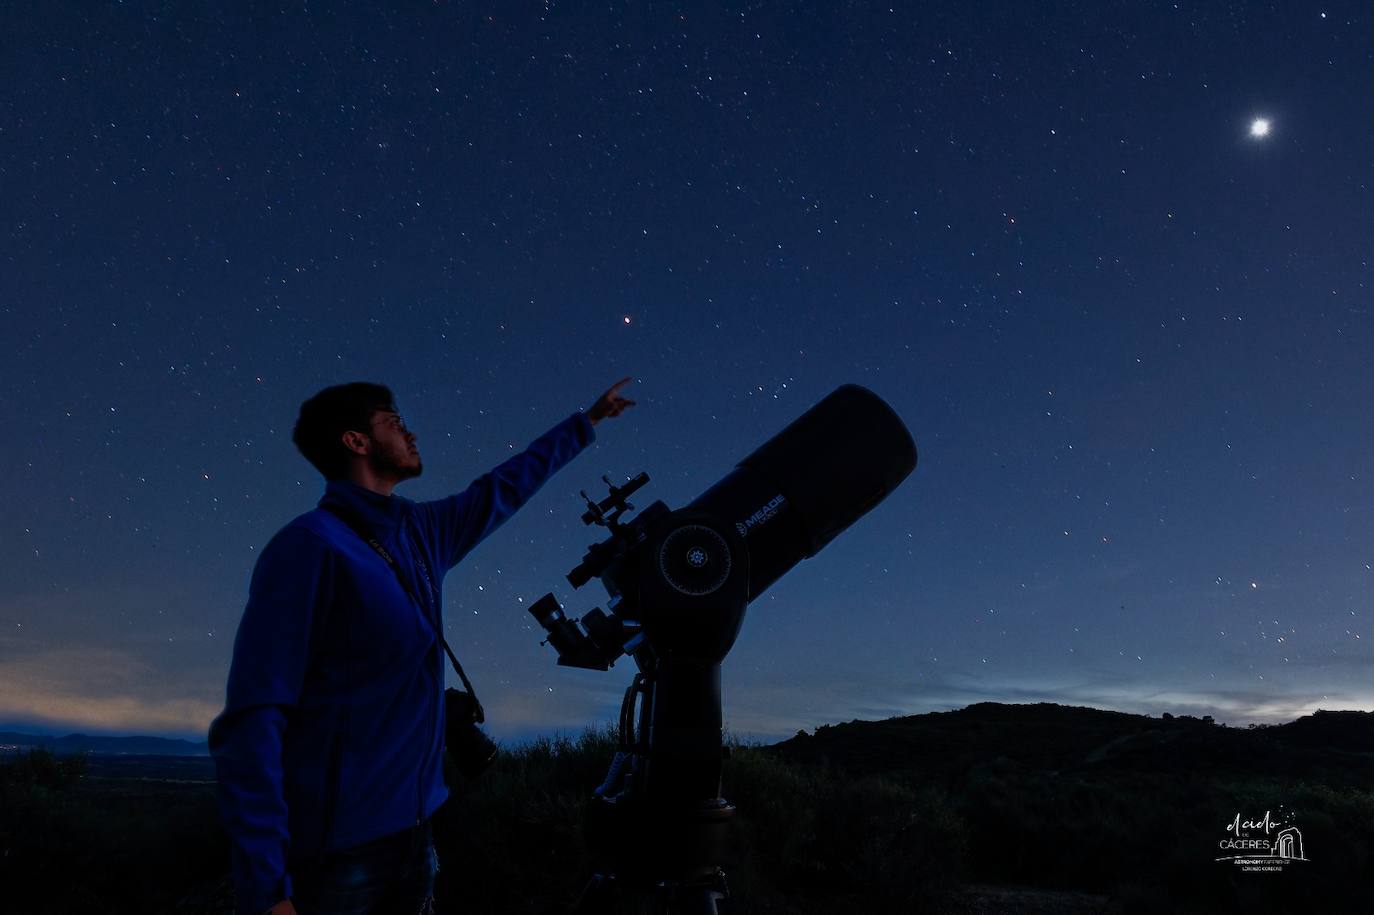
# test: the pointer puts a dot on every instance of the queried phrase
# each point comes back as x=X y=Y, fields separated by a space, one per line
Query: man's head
x=354 y=431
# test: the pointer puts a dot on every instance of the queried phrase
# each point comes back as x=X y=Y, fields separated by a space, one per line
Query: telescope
x=679 y=583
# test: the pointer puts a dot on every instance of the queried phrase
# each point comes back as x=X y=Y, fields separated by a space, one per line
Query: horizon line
x=59 y=730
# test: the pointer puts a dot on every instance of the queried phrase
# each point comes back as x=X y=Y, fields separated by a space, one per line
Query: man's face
x=394 y=453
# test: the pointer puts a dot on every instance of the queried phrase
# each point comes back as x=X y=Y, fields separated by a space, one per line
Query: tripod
x=657 y=826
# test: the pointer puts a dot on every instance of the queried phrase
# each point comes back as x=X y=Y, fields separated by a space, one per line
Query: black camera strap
x=361 y=530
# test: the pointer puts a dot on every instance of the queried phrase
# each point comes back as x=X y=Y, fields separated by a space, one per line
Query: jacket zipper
x=429 y=728
x=429 y=742
x=432 y=622
x=420 y=775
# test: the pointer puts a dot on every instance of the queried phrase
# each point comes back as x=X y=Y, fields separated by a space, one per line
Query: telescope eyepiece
x=547 y=611
x=596 y=649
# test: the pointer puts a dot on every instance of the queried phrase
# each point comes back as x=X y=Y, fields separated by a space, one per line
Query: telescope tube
x=801 y=488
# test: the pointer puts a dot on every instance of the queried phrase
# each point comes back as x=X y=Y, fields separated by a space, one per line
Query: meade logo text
x=760 y=516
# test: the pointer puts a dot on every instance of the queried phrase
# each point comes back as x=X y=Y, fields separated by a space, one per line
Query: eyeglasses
x=397 y=421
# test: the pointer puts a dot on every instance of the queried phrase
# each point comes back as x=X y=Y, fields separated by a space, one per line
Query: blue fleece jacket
x=332 y=731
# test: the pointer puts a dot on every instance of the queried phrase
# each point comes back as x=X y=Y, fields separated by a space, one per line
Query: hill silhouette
x=88 y=743
x=988 y=810
x=1056 y=738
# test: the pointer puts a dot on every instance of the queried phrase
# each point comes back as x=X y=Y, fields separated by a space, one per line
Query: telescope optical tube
x=801 y=488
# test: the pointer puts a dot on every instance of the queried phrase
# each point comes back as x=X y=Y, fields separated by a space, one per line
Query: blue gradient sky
x=1130 y=339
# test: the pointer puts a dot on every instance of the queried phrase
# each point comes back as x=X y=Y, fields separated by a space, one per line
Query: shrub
x=42 y=768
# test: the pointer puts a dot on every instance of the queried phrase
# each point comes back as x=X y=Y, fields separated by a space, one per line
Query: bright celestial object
x=1259 y=127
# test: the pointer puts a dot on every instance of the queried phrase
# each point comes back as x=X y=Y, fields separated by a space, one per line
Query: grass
x=807 y=838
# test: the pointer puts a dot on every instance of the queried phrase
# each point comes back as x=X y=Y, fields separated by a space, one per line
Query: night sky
x=1109 y=262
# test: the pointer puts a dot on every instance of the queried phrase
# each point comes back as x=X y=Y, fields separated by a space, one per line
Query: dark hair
x=325 y=417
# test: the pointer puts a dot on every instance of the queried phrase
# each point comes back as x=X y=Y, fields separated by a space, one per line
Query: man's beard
x=400 y=470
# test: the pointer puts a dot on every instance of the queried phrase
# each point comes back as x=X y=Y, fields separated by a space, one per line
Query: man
x=329 y=749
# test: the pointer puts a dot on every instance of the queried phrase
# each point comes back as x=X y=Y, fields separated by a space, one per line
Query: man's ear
x=355 y=440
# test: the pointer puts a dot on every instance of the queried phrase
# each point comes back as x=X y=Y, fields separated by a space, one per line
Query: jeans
x=393 y=875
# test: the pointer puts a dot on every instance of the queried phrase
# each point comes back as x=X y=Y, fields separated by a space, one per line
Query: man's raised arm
x=464 y=520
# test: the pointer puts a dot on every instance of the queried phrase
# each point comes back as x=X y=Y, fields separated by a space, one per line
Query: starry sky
x=1124 y=328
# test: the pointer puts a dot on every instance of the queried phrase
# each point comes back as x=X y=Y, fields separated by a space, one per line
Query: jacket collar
x=382 y=514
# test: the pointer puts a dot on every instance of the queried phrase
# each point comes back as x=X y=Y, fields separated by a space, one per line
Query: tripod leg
x=604 y=895
x=596 y=897
x=697 y=898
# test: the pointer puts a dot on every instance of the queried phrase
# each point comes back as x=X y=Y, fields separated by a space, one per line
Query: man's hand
x=610 y=403
x=282 y=908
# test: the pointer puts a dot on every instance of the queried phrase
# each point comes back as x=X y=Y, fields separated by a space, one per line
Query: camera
x=467 y=744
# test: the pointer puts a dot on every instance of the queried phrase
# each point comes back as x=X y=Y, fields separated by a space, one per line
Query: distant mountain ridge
x=1060 y=739
x=1041 y=735
x=106 y=746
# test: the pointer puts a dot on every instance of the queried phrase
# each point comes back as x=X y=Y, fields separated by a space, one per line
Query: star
x=1259 y=128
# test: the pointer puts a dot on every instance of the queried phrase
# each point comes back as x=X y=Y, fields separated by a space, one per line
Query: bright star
x=1259 y=127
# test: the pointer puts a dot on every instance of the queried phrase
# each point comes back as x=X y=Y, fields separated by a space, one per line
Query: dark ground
x=989 y=810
